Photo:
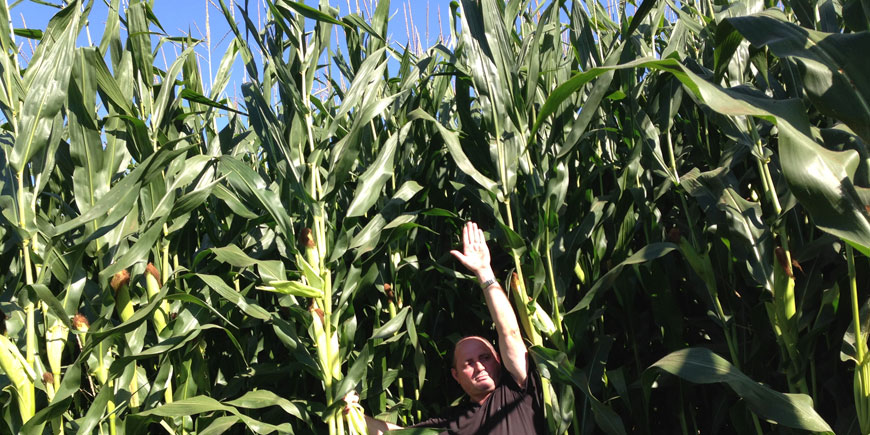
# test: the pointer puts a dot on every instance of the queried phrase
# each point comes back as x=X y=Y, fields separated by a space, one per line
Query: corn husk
x=356 y=420
x=55 y=341
x=152 y=287
x=48 y=380
x=321 y=342
x=312 y=254
x=541 y=319
x=21 y=375
x=123 y=304
x=81 y=323
x=581 y=275
x=333 y=357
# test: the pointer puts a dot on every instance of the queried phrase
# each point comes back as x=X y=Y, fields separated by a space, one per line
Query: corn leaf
x=553 y=364
x=832 y=74
x=246 y=305
x=375 y=177
x=702 y=366
x=46 y=81
x=646 y=254
x=263 y=398
x=294 y=288
x=392 y=326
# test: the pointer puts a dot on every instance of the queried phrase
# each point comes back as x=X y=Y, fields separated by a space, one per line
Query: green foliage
x=679 y=191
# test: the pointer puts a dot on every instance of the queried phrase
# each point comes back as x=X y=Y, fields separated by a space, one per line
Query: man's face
x=477 y=368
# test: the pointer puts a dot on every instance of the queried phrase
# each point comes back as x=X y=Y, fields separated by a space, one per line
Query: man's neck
x=480 y=399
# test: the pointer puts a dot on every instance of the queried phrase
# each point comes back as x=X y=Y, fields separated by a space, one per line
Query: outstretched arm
x=475 y=256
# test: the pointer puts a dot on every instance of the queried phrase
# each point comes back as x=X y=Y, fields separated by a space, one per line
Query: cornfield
x=676 y=195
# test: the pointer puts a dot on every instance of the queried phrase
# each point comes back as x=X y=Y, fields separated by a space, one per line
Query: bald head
x=464 y=342
x=476 y=367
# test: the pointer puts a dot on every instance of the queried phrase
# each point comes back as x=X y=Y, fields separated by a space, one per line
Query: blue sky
x=178 y=17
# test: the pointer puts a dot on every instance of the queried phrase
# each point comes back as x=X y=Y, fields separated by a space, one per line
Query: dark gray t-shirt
x=508 y=410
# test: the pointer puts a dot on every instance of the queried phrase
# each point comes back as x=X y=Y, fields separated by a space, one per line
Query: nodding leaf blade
x=250 y=185
x=263 y=398
x=821 y=179
x=835 y=78
x=451 y=140
x=116 y=204
x=702 y=366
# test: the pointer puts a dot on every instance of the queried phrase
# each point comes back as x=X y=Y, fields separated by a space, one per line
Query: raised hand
x=475 y=253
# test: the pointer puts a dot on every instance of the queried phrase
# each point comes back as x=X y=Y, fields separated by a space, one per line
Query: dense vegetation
x=676 y=196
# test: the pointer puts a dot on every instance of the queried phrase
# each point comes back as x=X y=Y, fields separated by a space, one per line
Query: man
x=503 y=397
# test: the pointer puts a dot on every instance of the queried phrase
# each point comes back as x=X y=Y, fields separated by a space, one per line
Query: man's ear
x=453 y=372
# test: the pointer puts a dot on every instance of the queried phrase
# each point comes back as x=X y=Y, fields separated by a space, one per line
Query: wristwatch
x=485 y=285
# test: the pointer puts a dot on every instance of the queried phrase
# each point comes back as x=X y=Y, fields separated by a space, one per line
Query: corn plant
x=675 y=193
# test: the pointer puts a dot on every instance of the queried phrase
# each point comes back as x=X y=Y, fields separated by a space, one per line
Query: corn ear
x=134 y=388
x=310 y=271
x=81 y=323
x=518 y=292
x=121 y=286
x=396 y=258
x=48 y=380
x=327 y=348
x=356 y=420
x=55 y=341
x=322 y=344
x=312 y=254
x=581 y=275
x=333 y=356
x=152 y=287
x=541 y=319
x=21 y=374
